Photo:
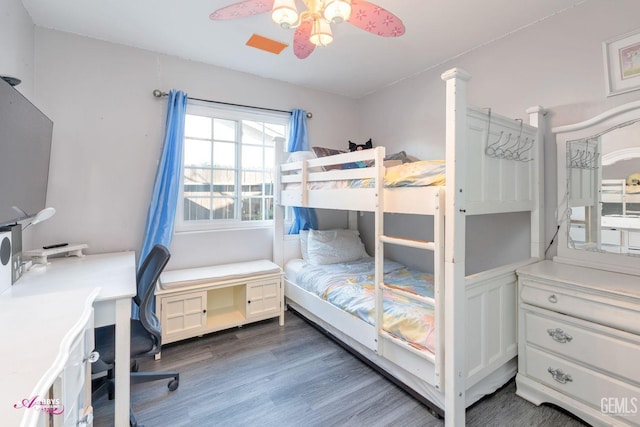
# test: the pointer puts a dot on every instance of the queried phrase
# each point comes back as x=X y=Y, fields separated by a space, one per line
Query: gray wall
x=556 y=63
x=108 y=128
x=17 y=45
x=108 y=131
x=17 y=35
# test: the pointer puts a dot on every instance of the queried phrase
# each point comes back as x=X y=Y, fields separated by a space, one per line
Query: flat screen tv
x=25 y=150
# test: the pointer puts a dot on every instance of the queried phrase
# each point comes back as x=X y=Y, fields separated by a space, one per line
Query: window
x=228 y=167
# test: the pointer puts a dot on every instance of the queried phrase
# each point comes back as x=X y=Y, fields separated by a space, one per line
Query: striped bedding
x=415 y=174
x=351 y=288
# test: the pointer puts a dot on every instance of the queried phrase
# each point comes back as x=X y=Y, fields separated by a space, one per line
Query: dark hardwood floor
x=267 y=375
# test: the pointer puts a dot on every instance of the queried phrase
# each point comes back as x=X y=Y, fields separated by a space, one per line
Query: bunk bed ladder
x=437 y=248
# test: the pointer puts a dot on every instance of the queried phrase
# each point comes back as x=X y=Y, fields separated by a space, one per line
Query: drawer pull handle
x=553 y=299
x=559 y=335
x=560 y=376
x=92 y=357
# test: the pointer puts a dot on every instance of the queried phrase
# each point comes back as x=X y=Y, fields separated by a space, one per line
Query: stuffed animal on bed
x=633 y=179
x=358 y=147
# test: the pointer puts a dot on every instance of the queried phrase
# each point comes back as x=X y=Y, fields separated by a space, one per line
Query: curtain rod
x=159 y=94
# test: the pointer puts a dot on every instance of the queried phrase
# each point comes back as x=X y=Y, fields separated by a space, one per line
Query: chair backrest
x=146 y=278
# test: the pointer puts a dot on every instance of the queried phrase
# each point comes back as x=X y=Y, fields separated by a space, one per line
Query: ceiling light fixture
x=322 y=12
x=313 y=25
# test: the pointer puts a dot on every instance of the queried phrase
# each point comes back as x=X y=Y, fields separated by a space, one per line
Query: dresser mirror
x=599 y=191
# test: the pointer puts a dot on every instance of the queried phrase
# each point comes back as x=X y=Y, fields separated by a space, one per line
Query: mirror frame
x=607 y=120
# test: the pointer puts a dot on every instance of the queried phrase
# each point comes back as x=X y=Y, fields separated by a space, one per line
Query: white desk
x=36 y=347
x=55 y=288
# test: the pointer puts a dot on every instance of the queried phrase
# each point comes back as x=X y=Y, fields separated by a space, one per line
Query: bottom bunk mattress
x=351 y=287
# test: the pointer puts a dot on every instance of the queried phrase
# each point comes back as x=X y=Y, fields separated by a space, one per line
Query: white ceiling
x=355 y=64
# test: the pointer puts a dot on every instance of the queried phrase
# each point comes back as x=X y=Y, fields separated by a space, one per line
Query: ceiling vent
x=268 y=45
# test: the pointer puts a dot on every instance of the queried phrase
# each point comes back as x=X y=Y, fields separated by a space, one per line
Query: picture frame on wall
x=622 y=63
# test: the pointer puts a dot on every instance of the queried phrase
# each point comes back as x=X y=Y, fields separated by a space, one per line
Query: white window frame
x=228 y=113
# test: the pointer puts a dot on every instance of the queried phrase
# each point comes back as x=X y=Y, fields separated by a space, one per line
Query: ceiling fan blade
x=375 y=19
x=242 y=9
x=302 y=47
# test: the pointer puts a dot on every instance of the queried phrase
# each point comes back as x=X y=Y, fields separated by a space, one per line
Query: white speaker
x=6 y=267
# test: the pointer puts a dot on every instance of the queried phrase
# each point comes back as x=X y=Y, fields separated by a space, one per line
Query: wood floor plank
x=267 y=375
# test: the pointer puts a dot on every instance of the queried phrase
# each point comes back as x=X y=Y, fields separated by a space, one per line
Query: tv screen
x=25 y=149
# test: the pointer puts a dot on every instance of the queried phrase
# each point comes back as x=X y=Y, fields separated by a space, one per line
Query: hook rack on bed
x=509 y=147
x=582 y=158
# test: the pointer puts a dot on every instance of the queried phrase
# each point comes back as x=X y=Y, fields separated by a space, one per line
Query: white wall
x=108 y=127
x=16 y=45
x=17 y=34
x=557 y=63
x=108 y=131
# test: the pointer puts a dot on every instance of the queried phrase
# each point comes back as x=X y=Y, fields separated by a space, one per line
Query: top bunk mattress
x=421 y=173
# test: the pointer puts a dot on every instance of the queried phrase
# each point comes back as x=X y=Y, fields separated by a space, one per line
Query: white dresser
x=579 y=341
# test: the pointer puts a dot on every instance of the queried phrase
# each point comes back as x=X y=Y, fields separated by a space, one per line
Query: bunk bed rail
x=493 y=165
x=298 y=182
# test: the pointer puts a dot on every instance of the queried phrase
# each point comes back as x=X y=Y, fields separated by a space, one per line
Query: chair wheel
x=173 y=385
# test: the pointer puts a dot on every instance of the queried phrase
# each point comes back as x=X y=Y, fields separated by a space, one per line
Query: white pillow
x=334 y=246
x=304 y=237
x=297 y=156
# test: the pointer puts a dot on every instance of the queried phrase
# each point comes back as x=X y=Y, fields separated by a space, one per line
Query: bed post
x=278 y=209
x=352 y=220
x=536 y=118
x=455 y=230
x=379 y=248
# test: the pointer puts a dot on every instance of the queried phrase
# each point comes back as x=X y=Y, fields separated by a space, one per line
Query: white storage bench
x=197 y=301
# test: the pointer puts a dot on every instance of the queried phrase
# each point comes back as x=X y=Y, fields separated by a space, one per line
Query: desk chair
x=145 y=332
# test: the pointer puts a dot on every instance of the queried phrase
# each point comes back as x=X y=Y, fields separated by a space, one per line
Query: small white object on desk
x=39 y=256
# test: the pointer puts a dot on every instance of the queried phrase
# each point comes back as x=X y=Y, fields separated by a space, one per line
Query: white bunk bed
x=493 y=165
x=617 y=191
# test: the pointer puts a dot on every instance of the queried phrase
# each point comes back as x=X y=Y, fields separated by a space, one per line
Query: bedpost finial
x=455 y=73
x=535 y=109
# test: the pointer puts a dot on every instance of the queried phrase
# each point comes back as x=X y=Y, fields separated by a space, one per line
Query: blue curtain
x=305 y=218
x=164 y=200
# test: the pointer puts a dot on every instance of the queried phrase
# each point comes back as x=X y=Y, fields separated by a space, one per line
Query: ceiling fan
x=313 y=24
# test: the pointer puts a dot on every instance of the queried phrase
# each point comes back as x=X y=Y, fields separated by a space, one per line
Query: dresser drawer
x=603 y=393
x=603 y=348
x=72 y=388
x=582 y=305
